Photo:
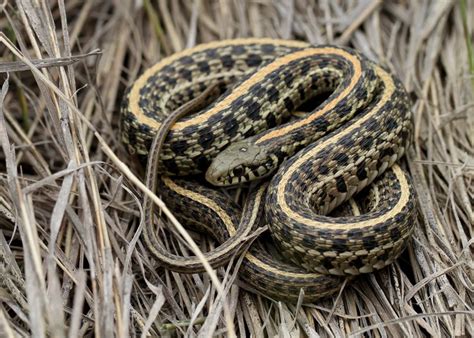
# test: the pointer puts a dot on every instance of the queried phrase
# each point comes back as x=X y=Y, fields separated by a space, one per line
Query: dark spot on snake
x=387 y=152
x=302 y=93
x=238 y=50
x=389 y=105
x=211 y=53
x=231 y=127
x=189 y=92
x=214 y=119
x=144 y=129
x=354 y=233
x=347 y=141
x=308 y=242
x=253 y=110
x=273 y=94
x=206 y=139
x=305 y=66
x=323 y=169
x=315 y=82
x=168 y=69
x=186 y=74
x=271 y=120
x=396 y=185
x=395 y=234
x=147 y=142
x=237 y=103
x=339 y=244
x=132 y=136
x=361 y=172
x=372 y=124
x=143 y=103
x=294 y=64
x=253 y=60
x=323 y=194
x=342 y=109
x=404 y=135
x=144 y=91
x=249 y=133
x=227 y=61
x=321 y=124
x=288 y=78
x=399 y=219
x=298 y=137
x=289 y=105
x=179 y=147
x=268 y=48
x=202 y=162
x=367 y=142
x=341 y=184
x=361 y=95
x=256 y=88
x=202 y=86
x=358 y=262
x=327 y=262
x=341 y=159
x=285 y=233
x=204 y=67
x=153 y=79
x=369 y=242
x=390 y=124
x=186 y=60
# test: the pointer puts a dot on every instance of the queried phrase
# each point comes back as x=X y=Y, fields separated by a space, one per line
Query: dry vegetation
x=72 y=261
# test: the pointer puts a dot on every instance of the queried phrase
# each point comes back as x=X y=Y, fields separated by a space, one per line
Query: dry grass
x=71 y=258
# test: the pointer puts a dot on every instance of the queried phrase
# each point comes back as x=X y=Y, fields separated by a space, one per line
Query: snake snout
x=215 y=174
x=242 y=161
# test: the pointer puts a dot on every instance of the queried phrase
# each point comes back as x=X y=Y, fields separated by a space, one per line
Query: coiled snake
x=318 y=161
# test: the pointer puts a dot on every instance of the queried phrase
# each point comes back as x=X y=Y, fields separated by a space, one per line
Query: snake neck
x=259 y=156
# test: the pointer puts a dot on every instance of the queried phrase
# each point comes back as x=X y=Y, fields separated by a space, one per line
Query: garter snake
x=319 y=160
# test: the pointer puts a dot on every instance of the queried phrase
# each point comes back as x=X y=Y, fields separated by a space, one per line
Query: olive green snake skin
x=316 y=161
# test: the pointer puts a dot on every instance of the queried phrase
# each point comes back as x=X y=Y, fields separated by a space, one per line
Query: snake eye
x=243 y=149
x=238 y=171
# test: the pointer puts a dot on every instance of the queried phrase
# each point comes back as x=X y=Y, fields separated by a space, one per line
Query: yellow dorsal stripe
x=281 y=197
x=141 y=81
x=330 y=105
x=202 y=200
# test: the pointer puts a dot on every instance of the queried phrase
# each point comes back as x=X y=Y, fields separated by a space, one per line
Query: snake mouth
x=240 y=174
x=215 y=176
x=222 y=174
x=241 y=162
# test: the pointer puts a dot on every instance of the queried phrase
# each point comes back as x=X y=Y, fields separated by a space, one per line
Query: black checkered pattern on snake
x=359 y=131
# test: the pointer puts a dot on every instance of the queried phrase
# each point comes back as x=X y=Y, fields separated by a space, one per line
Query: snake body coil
x=321 y=159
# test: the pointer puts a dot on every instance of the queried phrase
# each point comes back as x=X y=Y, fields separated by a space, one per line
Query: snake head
x=242 y=161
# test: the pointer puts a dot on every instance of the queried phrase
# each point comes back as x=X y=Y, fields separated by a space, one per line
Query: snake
x=309 y=163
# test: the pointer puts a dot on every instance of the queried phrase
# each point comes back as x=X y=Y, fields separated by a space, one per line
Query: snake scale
x=315 y=161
